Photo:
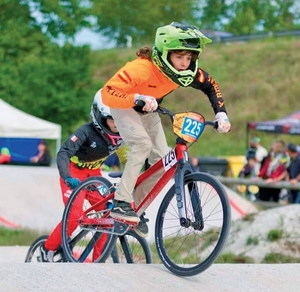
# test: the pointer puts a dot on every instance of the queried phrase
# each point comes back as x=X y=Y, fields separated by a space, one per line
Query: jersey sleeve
x=211 y=88
x=122 y=154
x=69 y=149
x=119 y=91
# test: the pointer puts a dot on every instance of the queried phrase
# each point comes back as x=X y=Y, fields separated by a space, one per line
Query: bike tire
x=33 y=253
x=181 y=253
x=79 y=245
x=131 y=249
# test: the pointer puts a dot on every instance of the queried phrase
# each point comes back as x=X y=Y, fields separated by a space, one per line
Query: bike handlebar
x=164 y=111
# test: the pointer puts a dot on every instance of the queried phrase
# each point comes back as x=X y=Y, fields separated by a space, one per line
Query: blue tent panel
x=21 y=149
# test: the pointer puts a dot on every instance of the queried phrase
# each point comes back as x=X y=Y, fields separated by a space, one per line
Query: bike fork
x=193 y=192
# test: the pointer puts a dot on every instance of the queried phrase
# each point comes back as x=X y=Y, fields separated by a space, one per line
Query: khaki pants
x=146 y=139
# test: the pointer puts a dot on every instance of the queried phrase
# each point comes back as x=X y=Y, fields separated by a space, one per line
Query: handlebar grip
x=213 y=124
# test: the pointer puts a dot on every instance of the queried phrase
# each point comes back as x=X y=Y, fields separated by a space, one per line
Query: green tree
x=37 y=75
x=59 y=18
x=138 y=19
x=213 y=13
x=262 y=15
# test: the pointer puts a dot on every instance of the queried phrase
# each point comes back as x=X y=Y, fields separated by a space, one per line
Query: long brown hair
x=144 y=52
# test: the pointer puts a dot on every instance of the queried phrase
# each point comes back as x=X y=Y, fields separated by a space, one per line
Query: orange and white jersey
x=141 y=76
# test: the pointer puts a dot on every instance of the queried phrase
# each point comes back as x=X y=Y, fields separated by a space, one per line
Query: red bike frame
x=172 y=158
x=180 y=150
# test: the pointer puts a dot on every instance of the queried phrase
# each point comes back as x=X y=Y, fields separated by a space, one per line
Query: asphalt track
x=124 y=277
x=15 y=275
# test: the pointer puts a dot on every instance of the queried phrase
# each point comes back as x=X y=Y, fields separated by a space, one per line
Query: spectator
x=257 y=152
x=294 y=172
x=5 y=156
x=248 y=170
x=43 y=156
x=273 y=169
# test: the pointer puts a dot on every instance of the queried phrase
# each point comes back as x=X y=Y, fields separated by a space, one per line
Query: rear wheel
x=132 y=249
x=82 y=242
x=34 y=253
x=189 y=245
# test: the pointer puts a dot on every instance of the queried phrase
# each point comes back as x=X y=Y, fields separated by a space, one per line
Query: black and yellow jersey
x=87 y=148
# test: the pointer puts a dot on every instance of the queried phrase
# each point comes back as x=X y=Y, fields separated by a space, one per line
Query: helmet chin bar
x=186 y=81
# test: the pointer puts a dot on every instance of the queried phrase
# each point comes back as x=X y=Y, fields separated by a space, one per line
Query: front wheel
x=188 y=245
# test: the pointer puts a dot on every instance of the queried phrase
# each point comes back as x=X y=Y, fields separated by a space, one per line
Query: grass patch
x=249 y=217
x=155 y=256
x=17 y=236
x=275 y=234
x=188 y=248
x=252 y=240
x=232 y=258
x=277 y=258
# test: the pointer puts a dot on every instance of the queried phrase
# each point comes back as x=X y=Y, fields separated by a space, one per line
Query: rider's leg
x=93 y=198
x=156 y=133
x=133 y=130
x=54 y=240
x=160 y=149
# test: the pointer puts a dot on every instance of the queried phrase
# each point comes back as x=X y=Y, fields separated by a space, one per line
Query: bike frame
x=174 y=163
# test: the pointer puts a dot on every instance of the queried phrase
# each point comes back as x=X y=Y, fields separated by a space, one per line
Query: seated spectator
x=273 y=169
x=43 y=156
x=5 y=156
x=294 y=172
x=257 y=152
x=249 y=169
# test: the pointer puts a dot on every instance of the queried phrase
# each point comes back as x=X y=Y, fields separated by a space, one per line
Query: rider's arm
x=68 y=149
x=211 y=88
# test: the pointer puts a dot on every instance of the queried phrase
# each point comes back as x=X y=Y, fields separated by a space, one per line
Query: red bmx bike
x=192 y=222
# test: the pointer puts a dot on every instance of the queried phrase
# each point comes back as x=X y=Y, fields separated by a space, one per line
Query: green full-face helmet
x=177 y=36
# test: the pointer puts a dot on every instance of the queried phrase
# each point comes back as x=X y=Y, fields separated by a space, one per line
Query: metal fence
x=241 y=38
x=259 y=183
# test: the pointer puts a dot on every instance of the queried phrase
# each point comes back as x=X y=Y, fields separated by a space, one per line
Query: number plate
x=192 y=128
x=169 y=160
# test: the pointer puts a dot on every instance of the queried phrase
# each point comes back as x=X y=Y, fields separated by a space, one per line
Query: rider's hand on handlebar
x=150 y=102
x=224 y=125
x=72 y=182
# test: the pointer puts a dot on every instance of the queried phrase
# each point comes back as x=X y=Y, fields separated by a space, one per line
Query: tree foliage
x=38 y=76
x=59 y=18
x=262 y=16
x=138 y=19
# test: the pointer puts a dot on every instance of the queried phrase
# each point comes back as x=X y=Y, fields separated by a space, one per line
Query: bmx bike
x=192 y=222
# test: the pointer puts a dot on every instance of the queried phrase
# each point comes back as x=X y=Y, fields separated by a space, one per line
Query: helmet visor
x=193 y=43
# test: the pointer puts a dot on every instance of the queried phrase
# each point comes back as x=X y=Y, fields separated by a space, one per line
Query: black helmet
x=99 y=114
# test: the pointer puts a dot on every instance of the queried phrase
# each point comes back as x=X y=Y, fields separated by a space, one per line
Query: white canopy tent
x=15 y=123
